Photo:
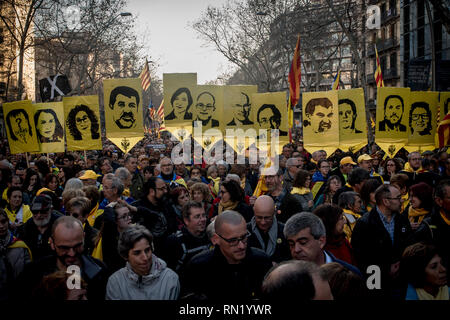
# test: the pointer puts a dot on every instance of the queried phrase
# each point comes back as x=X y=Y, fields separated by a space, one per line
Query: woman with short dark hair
x=232 y=197
x=420 y=203
x=145 y=276
x=422 y=268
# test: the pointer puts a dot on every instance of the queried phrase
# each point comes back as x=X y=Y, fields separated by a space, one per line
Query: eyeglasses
x=124 y=217
x=416 y=117
x=399 y=198
x=162 y=188
x=36 y=212
x=204 y=106
x=76 y=247
x=235 y=241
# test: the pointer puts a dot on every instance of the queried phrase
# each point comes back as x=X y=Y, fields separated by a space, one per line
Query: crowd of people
x=136 y=226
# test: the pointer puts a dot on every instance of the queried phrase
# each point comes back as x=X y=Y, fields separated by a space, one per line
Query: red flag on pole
x=295 y=75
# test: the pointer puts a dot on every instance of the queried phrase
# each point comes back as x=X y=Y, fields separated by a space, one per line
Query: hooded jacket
x=160 y=284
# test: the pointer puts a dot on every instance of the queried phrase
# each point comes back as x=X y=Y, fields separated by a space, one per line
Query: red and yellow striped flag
x=295 y=75
x=378 y=75
x=145 y=76
x=337 y=78
x=443 y=133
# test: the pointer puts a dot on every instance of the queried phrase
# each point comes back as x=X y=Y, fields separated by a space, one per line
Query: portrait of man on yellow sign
x=124 y=103
x=319 y=113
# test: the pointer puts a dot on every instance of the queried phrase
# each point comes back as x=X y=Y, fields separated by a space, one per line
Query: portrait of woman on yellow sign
x=83 y=124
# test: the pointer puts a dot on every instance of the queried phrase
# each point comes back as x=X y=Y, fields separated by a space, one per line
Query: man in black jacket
x=232 y=270
x=37 y=230
x=267 y=232
x=67 y=244
x=182 y=245
x=380 y=237
x=154 y=213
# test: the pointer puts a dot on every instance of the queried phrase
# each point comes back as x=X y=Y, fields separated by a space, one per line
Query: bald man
x=266 y=231
x=296 y=280
x=232 y=270
x=67 y=243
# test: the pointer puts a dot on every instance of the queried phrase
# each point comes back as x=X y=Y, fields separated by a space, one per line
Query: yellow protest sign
x=208 y=107
x=391 y=132
x=320 y=121
x=82 y=123
x=123 y=111
x=239 y=107
x=49 y=120
x=422 y=120
x=178 y=96
x=444 y=104
x=352 y=120
x=20 y=126
x=270 y=114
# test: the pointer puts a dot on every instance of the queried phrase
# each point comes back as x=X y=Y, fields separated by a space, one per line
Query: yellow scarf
x=216 y=183
x=442 y=294
x=300 y=191
x=417 y=213
x=227 y=205
x=348 y=226
x=405 y=202
x=348 y=185
x=243 y=183
x=408 y=168
x=447 y=220
x=126 y=192
x=94 y=214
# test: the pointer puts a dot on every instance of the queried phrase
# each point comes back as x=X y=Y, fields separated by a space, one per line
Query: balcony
x=370 y=78
x=390 y=74
x=388 y=15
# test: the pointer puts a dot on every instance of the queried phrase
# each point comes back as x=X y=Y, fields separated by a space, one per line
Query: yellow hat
x=89 y=174
x=347 y=160
x=364 y=157
x=42 y=190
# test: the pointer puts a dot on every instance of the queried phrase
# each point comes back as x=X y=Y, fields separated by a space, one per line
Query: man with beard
x=319 y=113
x=67 y=244
x=393 y=112
x=37 y=230
x=204 y=108
x=241 y=110
x=182 y=245
x=233 y=269
x=380 y=237
x=154 y=212
x=124 y=102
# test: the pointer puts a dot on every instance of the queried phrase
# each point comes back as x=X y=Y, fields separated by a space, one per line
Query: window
x=2 y=59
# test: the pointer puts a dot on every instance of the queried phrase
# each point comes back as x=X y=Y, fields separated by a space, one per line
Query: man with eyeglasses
x=204 y=108
x=67 y=244
x=233 y=270
x=266 y=231
x=292 y=167
x=36 y=231
x=380 y=237
x=168 y=174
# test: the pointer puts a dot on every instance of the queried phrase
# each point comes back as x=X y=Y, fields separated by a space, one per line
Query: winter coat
x=160 y=284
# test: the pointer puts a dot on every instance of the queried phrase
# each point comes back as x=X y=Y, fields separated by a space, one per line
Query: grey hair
x=347 y=199
x=229 y=217
x=122 y=173
x=210 y=230
x=118 y=185
x=303 y=220
x=130 y=236
x=232 y=176
x=411 y=154
x=291 y=162
x=109 y=176
x=73 y=183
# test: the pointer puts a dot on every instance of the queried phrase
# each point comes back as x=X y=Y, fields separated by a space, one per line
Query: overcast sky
x=172 y=42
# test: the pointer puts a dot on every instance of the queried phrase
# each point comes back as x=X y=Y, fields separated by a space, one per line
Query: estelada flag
x=54 y=86
x=378 y=75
